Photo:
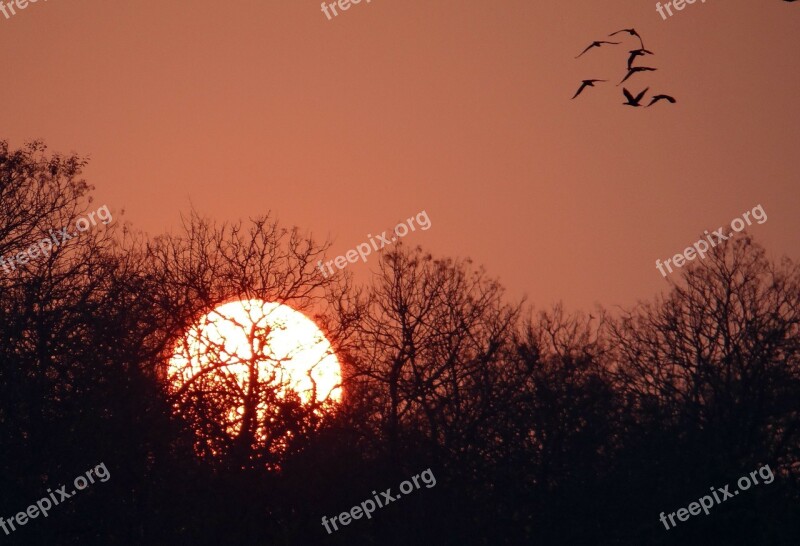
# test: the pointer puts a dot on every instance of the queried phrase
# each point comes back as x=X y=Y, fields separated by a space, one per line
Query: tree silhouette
x=546 y=428
x=711 y=377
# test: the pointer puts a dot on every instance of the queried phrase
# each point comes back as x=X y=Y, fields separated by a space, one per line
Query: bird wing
x=581 y=88
x=630 y=73
x=617 y=32
x=587 y=49
x=640 y=96
x=628 y=94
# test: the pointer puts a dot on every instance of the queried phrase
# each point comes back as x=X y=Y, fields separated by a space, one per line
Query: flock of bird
x=631 y=100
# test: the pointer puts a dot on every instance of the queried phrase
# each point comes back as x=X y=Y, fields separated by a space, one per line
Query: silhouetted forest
x=541 y=427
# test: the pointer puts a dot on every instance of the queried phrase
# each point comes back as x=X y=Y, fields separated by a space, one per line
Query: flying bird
x=637 y=53
x=585 y=84
x=596 y=44
x=634 y=70
x=657 y=98
x=633 y=101
x=632 y=32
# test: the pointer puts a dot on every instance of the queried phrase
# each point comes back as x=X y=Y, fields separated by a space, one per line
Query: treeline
x=540 y=427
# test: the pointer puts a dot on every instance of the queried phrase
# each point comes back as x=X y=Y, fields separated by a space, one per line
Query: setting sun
x=253 y=354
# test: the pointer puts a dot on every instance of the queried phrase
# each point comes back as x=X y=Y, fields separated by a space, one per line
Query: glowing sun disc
x=255 y=340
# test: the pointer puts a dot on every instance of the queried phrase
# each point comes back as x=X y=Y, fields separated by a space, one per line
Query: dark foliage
x=553 y=428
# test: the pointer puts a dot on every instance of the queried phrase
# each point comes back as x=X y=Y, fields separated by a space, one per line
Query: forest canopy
x=542 y=427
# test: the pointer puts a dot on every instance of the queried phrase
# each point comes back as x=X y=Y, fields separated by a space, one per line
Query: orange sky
x=460 y=108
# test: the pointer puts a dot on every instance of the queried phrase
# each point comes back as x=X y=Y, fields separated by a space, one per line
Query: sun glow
x=253 y=353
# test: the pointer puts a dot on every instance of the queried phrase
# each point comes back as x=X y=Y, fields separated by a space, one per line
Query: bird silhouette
x=596 y=44
x=634 y=70
x=585 y=84
x=657 y=98
x=637 y=53
x=632 y=32
x=633 y=101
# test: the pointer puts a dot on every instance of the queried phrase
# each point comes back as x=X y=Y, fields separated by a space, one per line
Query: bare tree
x=239 y=406
x=718 y=358
x=430 y=340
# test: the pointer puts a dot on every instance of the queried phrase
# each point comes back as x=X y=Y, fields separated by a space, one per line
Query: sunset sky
x=459 y=108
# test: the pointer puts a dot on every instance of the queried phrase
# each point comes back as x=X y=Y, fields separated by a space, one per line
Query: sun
x=245 y=357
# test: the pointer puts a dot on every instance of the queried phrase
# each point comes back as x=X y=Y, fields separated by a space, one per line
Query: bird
x=634 y=70
x=632 y=32
x=637 y=53
x=596 y=44
x=657 y=98
x=633 y=101
x=585 y=84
